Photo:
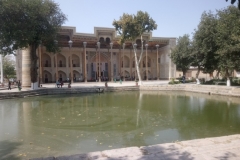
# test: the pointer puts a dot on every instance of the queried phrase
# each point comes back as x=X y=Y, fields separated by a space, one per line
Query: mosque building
x=95 y=57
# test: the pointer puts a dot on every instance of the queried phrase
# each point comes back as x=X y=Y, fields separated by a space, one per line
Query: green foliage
x=233 y=1
x=28 y=23
x=228 y=40
x=130 y=27
x=204 y=41
x=181 y=54
x=9 y=68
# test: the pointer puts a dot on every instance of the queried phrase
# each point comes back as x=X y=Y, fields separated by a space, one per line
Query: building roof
x=105 y=36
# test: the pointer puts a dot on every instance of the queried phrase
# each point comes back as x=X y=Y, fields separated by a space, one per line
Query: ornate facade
x=83 y=59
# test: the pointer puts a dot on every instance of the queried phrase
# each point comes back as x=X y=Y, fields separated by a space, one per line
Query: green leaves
x=130 y=27
x=181 y=54
x=27 y=23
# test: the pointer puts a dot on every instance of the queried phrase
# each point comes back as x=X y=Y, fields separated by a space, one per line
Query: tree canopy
x=131 y=27
x=29 y=23
x=181 y=54
x=233 y=1
x=9 y=67
x=215 y=44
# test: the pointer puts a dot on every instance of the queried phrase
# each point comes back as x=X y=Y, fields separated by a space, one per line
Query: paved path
x=219 y=148
x=92 y=84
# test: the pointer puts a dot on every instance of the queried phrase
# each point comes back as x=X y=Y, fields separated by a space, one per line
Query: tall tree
x=28 y=23
x=228 y=40
x=9 y=67
x=205 y=47
x=181 y=54
x=233 y=1
x=130 y=27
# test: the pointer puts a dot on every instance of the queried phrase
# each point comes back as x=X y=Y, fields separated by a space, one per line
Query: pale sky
x=174 y=17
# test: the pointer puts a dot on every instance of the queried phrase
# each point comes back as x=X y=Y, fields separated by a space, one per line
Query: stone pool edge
x=207 y=89
x=225 y=147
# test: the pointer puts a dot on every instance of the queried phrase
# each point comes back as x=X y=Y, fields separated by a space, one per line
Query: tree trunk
x=137 y=67
x=217 y=74
x=227 y=76
x=138 y=61
x=34 y=59
x=198 y=71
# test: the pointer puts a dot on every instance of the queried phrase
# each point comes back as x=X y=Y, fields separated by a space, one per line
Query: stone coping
x=206 y=89
x=226 y=147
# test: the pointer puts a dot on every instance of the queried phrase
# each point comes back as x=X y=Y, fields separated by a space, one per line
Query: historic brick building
x=83 y=59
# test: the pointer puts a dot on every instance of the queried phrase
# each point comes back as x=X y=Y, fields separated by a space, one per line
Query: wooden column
x=99 y=73
x=56 y=67
x=131 y=63
x=157 y=62
x=85 y=62
x=111 y=45
x=71 y=64
x=146 y=65
x=40 y=63
x=123 y=63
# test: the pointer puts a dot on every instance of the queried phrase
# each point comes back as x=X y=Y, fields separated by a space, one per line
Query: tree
x=130 y=27
x=205 y=47
x=9 y=68
x=181 y=54
x=28 y=23
x=228 y=40
x=233 y=1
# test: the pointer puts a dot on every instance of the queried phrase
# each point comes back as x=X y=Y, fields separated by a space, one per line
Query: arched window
x=60 y=63
x=46 y=63
x=133 y=64
x=108 y=40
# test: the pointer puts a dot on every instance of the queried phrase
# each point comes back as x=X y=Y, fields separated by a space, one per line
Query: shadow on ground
x=6 y=150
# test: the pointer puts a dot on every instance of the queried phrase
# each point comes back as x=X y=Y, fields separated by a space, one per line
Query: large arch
x=62 y=76
x=76 y=76
x=46 y=60
x=104 y=66
x=150 y=76
x=75 y=60
x=149 y=61
x=126 y=61
x=61 y=60
x=47 y=77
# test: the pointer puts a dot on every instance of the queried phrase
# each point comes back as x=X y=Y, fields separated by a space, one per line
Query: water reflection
x=64 y=125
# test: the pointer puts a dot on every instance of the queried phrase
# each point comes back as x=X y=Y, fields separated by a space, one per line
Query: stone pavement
x=219 y=148
x=91 y=84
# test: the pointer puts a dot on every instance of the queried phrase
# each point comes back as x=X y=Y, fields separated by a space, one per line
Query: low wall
x=55 y=91
x=208 y=89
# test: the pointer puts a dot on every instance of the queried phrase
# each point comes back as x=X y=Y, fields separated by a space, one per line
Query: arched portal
x=76 y=76
x=99 y=69
x=75 y=60
x=62 y=76
x=47 y=76
x=61 y=60
x=145 y=75
x=46 y=60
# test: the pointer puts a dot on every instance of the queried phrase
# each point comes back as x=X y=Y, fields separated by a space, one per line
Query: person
x=183 y=78
x=61 y=84
x=9 y=85
x=19 y=85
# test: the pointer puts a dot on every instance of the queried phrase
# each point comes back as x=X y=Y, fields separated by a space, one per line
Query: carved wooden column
x=123 y=62
x=146 y=65
x=85 y=62
x=111 y=45
x=99 y=72
x=70 y=47
x=157 y=62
